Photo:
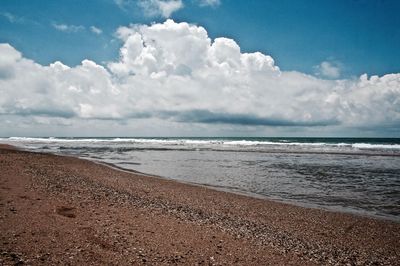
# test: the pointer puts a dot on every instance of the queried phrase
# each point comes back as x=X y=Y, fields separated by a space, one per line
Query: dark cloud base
x=208 y=117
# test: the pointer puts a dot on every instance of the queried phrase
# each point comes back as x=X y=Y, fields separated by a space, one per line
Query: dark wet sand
x=64 y=210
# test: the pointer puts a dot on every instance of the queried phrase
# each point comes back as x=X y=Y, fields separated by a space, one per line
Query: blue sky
x=359 y=36
x=199 y=68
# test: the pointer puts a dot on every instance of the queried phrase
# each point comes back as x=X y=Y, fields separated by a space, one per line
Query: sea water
x=345 y=174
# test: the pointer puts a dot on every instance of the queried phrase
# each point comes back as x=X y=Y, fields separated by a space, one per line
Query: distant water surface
x=346 y=174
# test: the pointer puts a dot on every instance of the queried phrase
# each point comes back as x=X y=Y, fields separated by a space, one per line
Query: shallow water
x=353 y=175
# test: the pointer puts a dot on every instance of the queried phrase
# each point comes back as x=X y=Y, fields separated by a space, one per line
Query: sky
x=199 y=68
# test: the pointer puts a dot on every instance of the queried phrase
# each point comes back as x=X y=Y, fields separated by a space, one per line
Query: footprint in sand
x=66 y=211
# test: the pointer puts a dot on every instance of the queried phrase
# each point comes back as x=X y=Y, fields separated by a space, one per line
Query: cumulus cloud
x=175 y=73
x=328 y=70
x=162 y=8
x=68 y=28
x=96 y=30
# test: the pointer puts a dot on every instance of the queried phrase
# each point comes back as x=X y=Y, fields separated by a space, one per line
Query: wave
x=375 y=146
x=209 y=142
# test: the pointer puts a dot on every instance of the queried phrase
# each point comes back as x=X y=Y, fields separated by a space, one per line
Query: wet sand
x=68 y=211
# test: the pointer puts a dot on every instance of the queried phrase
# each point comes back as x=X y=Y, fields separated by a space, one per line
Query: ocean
x=356 y=175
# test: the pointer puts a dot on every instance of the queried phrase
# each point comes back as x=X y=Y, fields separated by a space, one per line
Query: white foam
x=375 y=146
x=205 y=142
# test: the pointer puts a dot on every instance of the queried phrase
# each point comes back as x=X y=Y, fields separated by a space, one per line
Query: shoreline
x=359 y=213
x=77 y=194
x=340 y=209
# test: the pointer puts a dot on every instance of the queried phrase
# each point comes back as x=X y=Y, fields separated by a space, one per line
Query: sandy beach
x=58 y=210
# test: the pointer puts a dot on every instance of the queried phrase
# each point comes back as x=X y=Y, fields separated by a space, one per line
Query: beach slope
x=64 y=210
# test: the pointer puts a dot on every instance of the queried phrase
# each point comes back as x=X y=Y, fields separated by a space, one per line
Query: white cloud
x=12 y=18
x=68 y=28
x=328 y=69
x=175 y=74
x=212 y=3
x=96 y=30
x=16 y=19
x=120 y=3
x=162 y=8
